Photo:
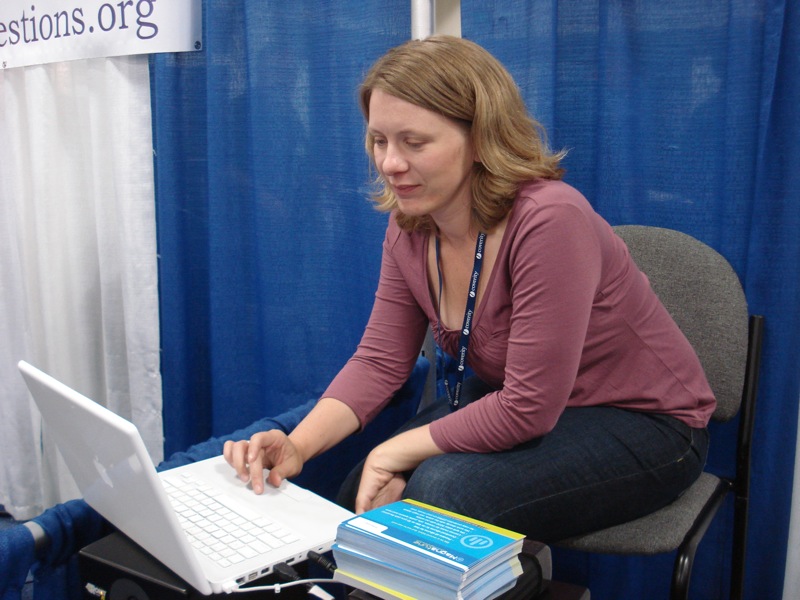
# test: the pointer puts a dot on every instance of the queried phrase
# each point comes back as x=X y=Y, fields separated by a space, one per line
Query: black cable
x=326 y=564
x=285 y=572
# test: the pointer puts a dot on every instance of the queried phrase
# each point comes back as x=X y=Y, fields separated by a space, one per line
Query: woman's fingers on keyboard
x=265 y=450
x=236 y=455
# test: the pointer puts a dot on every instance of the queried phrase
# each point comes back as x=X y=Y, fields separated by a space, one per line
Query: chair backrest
x=703 y=294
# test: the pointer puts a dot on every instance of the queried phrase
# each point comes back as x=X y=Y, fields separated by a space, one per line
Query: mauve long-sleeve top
x=567 y=319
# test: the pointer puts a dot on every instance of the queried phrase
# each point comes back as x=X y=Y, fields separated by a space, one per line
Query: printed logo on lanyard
x=454 y=399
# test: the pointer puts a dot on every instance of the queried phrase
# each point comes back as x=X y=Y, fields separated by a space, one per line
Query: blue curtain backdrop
x=679 y=114
x=269 y=249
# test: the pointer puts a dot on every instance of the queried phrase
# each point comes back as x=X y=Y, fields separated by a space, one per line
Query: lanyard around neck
x=466 y=327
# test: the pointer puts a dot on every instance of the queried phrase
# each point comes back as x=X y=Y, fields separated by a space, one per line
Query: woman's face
x=424 y=157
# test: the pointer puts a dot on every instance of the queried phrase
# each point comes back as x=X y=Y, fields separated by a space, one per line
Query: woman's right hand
x=271 y=450
x=328 y=423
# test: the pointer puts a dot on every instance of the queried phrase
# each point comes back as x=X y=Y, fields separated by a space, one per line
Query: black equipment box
x=116 y=568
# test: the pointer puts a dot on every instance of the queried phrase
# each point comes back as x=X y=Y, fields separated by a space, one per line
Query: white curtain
x=78 y=272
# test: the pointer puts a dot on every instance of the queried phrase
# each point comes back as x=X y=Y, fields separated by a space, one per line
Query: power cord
x=313 y=590
x=288 y=573
x=284 y=571
x=292 y=578
x=322 y=561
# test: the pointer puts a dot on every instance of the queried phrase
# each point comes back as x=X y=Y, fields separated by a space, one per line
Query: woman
x=588 y=406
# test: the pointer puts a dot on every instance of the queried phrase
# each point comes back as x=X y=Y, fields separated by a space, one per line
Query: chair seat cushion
x=661 y=531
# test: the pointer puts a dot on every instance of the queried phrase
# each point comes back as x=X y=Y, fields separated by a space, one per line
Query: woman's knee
x=449 y=482
x=431 y=479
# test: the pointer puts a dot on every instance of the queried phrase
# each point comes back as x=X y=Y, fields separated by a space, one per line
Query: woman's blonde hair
x=460 y=80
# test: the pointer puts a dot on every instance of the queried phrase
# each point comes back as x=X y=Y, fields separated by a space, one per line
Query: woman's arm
x=328 y=423
x=384 y=358
x=381 y=480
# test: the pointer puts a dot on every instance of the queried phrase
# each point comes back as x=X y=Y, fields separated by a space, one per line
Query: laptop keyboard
x=227 y=536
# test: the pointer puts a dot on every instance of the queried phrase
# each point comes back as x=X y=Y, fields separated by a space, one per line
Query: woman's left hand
x=382 y=480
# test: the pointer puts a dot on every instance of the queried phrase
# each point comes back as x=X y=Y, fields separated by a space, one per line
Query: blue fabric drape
x=269 y=249
x=683 y=114
x=678 y=114
x=17 y=554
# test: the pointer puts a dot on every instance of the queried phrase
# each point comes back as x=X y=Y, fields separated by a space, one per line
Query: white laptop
x=108 y=459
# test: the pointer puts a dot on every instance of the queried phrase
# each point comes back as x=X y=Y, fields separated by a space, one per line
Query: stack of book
x=410 y=550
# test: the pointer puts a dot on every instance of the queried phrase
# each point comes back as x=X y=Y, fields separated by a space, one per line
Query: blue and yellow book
x=408 y=547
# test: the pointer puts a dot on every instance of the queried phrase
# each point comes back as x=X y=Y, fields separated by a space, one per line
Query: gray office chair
x=704 y=296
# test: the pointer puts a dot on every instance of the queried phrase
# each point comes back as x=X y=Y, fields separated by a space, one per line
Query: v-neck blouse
x=566 y=319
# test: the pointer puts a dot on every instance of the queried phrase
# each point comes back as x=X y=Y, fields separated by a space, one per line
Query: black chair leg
x=739 y=548
x=681 y=575
x=742 y=484
x=684 y=561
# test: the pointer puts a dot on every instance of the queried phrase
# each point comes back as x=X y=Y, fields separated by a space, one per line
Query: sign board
x=35 y=32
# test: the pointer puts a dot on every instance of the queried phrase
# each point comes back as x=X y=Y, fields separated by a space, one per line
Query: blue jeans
x=600 y=466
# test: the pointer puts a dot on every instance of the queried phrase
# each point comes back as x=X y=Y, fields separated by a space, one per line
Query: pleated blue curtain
x=269 y=249
x=679 y=114
x=683 y=114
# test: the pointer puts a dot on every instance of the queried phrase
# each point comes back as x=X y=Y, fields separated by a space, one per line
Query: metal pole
x=423 y=18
